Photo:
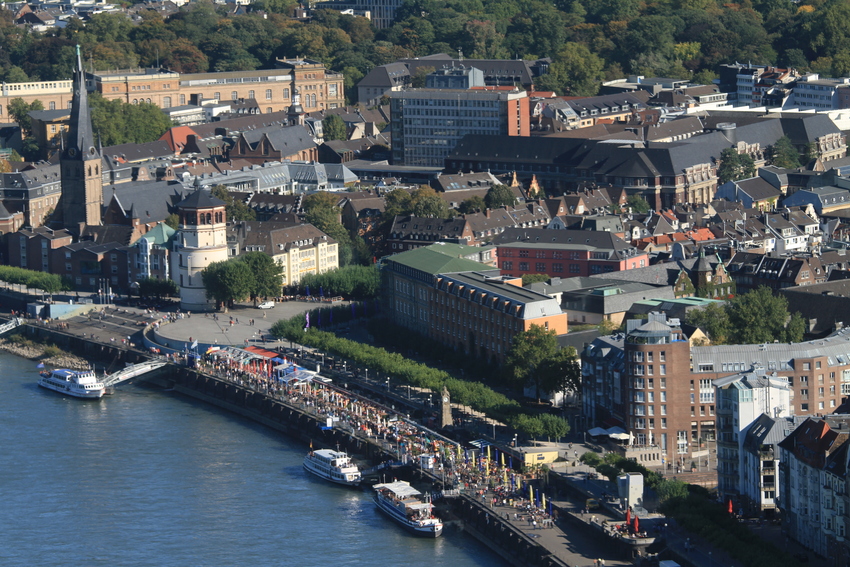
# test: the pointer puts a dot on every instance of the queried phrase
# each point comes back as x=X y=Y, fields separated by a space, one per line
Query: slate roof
x=523 y=302
x=658 y=274
x=200 y=199
x=288 y=140
x=150 y=201
x=573 y=239
x=758 y=189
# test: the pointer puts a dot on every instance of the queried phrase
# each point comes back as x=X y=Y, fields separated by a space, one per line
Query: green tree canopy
x=560 y=372
x=267 y=275
x=19 y=110
x=228 y=282
x=235 y=210
x=784 y=154
x=472 y=205
x=118 y=122
x=734 y=166
x=528 y=351
x=755 y=317
x=333 y=128
x=528 y=279
x=499 y=196
x=638 y=204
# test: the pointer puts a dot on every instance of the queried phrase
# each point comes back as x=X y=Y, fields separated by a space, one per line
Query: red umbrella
x=730 y=506
x=628 y=516
x=636 y=524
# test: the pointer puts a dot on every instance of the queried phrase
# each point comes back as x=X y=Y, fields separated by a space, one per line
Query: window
x=182 y=99
x=575 y=269
x=166 y=102
x=507 y=265
x=234 y=95
x=540 y=267
x=217 y=96
x=523 y=266
x=251 y=94
x=268 y=94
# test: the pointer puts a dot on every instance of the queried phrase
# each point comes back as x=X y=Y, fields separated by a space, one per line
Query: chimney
x=487 y=213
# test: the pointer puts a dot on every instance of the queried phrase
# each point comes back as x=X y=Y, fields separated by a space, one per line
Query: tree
x=19 y=110
x=575 y=71
x=229 y=281
x=528 y=279
x=784 y=154
x=235 y=210
x=761 y=317
x=528 y=350
x=173 y=220
x=333 y=128
x=560 y=372
x=714 y=322
x=499 y=196
x=157 y=288
x=638 y=204
x=118 y=122
x=320 y=199
x=671 y=489
x=734 y=166
x=267 y=274
x=472 y=205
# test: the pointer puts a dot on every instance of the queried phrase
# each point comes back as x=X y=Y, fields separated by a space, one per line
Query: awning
x=616 y=431
x=619 y=436
x=597 y=431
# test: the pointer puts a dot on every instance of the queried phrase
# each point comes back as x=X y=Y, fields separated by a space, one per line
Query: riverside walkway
x=121 y=327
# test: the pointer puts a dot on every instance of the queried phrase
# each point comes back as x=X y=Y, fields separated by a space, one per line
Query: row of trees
x=30 y=279
x=473 y=394
x=250 y=276
x=351 y=282
x=755 y=317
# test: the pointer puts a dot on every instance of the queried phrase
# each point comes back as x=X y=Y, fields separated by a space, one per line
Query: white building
x=745 y=401
x=201 y=240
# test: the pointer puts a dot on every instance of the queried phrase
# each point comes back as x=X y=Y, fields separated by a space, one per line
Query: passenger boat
x=408 y=508
x=334 y=466
x=77 y=383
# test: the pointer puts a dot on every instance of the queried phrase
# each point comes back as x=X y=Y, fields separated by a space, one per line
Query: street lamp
x=513 y=443
x=388 y=383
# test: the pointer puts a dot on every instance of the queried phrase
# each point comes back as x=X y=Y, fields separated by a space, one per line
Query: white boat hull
x=82 y=394
x=432 y=529
x=324 y=476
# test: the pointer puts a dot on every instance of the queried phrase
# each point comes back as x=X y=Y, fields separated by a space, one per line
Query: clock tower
x=82 y=185
x=445 y=410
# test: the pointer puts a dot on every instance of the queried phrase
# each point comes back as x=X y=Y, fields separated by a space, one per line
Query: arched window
x=166 y=102
x=135 y=101
x=209 y=218
x=148 y=101
x=269 y=110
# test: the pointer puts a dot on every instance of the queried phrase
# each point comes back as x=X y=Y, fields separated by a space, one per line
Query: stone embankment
x=35 y=351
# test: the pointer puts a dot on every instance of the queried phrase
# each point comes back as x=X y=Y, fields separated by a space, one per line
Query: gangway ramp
x=13 y=323
x=132 y=371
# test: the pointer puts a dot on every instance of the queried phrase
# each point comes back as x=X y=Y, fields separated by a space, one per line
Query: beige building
x=300 y=250
x=273 y=89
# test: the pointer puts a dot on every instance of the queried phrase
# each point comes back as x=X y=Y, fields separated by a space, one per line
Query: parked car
x=266 y=305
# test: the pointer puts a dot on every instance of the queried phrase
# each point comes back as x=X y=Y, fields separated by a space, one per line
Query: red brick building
x=565 y=253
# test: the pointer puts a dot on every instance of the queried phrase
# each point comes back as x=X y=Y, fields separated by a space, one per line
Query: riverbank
x=38 y=351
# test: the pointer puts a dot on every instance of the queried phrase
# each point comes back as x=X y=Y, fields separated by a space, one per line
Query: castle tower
x=82 y=185
x=201 y=240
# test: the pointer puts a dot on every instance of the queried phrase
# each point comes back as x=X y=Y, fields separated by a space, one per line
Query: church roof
x=80 y=135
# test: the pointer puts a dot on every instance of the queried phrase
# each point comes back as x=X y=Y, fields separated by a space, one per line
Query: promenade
x=121 y=327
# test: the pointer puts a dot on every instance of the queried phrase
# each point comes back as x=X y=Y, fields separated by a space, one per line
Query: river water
x=147 y=477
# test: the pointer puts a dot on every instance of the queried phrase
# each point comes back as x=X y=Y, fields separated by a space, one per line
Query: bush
x=52 y=350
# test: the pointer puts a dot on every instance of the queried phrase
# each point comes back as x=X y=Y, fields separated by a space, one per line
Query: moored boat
x=77 y=383
x=335 y=466
x=407 y=507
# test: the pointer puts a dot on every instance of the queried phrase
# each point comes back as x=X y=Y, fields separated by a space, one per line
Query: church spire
x=80 y=144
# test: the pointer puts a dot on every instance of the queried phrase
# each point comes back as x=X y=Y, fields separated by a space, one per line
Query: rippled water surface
x=146 y=477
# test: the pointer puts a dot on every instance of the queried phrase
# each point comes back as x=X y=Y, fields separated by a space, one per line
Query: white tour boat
x=405 y=505
x=334 y=466
x=77 y=383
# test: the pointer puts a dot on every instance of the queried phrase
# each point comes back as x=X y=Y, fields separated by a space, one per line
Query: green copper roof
x=433 y=261
x=160 y=234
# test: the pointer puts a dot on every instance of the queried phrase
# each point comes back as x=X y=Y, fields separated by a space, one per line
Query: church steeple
x=80 y=135
x=80 y=161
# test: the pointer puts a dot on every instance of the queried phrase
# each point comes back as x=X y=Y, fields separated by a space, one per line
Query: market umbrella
x=730 y=507
x=307 y=290
x=543 y=500
x=530 y=493
x=637 y=525
x=628 y=516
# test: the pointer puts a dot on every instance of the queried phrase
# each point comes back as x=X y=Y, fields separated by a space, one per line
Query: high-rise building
x=428 y=123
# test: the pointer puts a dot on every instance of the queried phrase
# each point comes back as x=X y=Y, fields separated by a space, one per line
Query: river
x=148 y=477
